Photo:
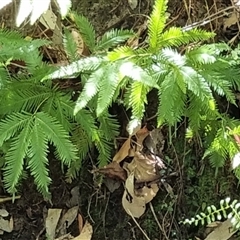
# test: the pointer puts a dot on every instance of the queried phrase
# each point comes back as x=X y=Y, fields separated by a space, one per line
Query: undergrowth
x=189 y=73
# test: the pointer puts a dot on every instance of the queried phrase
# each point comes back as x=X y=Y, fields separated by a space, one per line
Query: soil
x=97 y=204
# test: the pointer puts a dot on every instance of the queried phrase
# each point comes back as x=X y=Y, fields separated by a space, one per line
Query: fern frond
x=14 y=158
x=157 y=22
x=104 y=148
x=38 y=151
x=11 y=125
x=86 y=29
x=138 y=99
x=90 y=88
x=172 y=101
x=196 y=83
x=107 y=87
x=109 y=126
x=112 y=38
x=120 y=53
x=75 y=68
x=137 y=73
x=175 y=37
x=58 y=136
x=24 y=96
x=70 y=46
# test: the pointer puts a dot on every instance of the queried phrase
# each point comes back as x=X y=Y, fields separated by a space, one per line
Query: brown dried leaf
x=141 y=135
x=123 y=152
x=148 y=193
x=113 y=170
x=134 y=205
x=144 y=167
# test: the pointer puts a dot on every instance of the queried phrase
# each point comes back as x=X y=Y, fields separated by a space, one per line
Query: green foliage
x=227 y=209
x=189 y=84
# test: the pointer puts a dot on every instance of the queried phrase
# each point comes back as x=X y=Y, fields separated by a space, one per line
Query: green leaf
x=56 y=134
x=38 y=153
x=138 y=99
x=112 y=38
x=107 y=87
x=137 y=73
x=74 y=68
x=86 y=29
x=70 y=45
x=121 y=53
x=157 y=23
x=91 y=88
x=14 y=158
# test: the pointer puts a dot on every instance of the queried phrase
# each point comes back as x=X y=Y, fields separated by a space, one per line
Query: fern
x=27 y=143
x=228 y=209
x=86 y=29
x=157 y=22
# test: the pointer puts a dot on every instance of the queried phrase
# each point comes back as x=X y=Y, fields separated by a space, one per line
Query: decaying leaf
x=113 y=170
x=86 y=233
x=51 y=222
x=144 y=167
x=148 y=192
x=123 y=152
x=233 y=19
x=133 y=205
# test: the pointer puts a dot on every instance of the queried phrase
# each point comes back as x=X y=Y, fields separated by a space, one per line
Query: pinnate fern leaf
x=14 y=159
x=37 y=163
x=112 y=38
x=56 y=134
x=157 y=23
x=175 y=37
x=86 y=29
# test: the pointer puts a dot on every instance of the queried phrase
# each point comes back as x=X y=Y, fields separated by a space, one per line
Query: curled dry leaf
x=144 y=167
x=134 y=205
x=148 y=192
x=113 y=170
x=86 y=233
x=123 y=152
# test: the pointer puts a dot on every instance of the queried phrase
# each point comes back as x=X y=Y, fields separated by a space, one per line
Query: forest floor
x=182 y=196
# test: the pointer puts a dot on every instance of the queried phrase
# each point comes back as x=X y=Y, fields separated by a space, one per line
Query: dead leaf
x=6 y=225
x=135 y=206
x=79 y=41
x=51 y=222
x=233 y=19
x=74 y=200
x=123 y=152
x=67 y=219
x=141 y=135
x=112 y=184
x=80 y=222
x=144 y=167
x=148 y=193
x=223 y=232
x=113 y=170
x=86 y=233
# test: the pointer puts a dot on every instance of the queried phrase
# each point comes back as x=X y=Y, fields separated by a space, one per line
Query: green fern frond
x=175 y=37
x=107 y=87
x=91 y=88
x=137 y=73
x=196 y=83
x=75 y=68
x=70 y=46
x=11 y=125
x=121 y=53
x=138 y=99
x=109 y=126
x=24 y=96
x=37 y=153
x=58 y=136
x=14 y=159
x=86 y=29
x=104 y=148
x=157 y=22
x=112 y=38
x=172 y=101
